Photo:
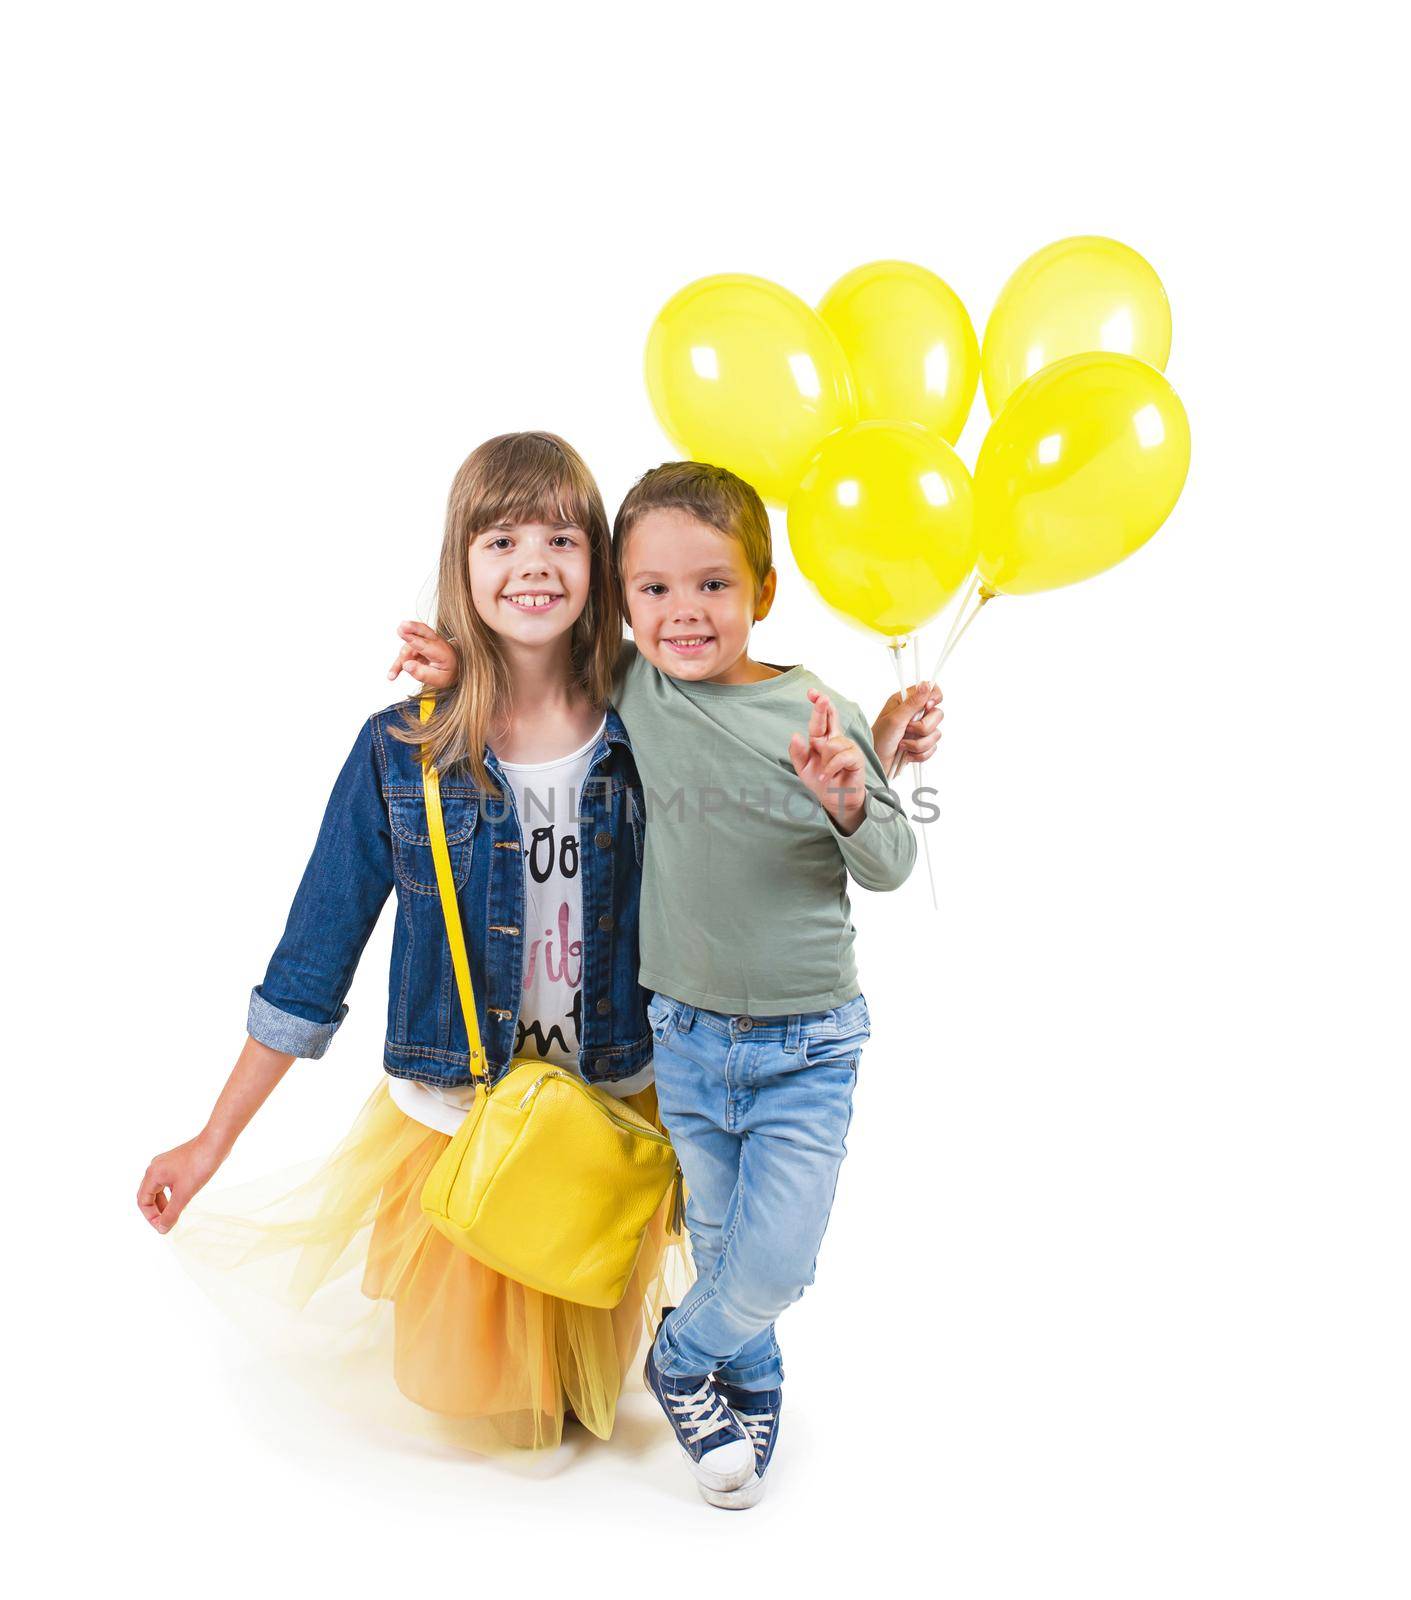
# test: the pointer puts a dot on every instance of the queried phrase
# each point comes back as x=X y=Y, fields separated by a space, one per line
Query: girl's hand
x=908 y=726
x=171 y=1179
x=426 y=656
x=830 y=765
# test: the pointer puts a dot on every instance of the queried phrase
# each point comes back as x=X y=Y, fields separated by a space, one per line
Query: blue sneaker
x=758 y=1411
x=717 y=1449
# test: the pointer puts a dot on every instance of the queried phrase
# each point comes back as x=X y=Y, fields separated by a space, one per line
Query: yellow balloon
x=744 y=375
x=910 y=342
x=883 y=524
x=1079 y=470
x=1076 y=296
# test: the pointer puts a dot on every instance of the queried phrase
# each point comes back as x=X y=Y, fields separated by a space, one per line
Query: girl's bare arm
x=173 y=1177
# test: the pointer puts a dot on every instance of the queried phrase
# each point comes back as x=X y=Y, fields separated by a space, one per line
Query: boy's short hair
x=711 y=495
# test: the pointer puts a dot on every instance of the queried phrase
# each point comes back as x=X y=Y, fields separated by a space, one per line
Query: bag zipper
x=578 y=1083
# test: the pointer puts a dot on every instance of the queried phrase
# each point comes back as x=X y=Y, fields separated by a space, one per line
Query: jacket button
x=603 y=1007
x=602 y=840
x=605 y=921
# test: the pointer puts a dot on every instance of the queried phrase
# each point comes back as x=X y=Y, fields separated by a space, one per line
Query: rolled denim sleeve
x=300 y=1005
x=881 y=850
x=291 y=1035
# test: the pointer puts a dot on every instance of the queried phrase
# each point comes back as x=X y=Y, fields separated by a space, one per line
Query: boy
x=746 y=938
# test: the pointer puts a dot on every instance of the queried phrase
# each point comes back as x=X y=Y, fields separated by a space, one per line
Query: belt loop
x=792 y=1032
x=686 y=1018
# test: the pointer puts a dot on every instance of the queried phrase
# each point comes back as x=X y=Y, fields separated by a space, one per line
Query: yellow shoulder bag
x=549 y=1180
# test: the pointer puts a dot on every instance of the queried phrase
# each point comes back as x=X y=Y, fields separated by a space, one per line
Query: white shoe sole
x=724 y=1479
x=736 y=1499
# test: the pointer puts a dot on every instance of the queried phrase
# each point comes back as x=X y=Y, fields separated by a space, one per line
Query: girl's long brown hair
x=517 y=477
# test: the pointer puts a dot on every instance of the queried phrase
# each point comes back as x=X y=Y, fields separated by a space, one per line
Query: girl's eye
x=565 y=539
x=719 y=583
x=652 y=588
x=497 y=542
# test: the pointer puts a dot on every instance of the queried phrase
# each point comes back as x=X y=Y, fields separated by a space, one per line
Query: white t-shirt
x=546 y=797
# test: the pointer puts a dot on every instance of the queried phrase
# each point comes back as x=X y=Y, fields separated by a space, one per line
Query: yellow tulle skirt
x=363 y=1294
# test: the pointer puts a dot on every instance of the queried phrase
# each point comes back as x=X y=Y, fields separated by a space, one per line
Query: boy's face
x=529 y=581
x=691 y=597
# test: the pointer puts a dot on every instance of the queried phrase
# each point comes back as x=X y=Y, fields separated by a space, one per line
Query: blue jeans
x=758 y=1109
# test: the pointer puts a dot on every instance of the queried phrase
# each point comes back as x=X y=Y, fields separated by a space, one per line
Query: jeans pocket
x=661 y=1017
x=834 y=1052
x=836 y=1040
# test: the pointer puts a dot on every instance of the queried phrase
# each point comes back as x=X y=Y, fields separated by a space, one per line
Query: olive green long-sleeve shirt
x=744 y=875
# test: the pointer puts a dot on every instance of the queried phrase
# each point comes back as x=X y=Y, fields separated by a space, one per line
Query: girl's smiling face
x=529 y=580
x=691 y=597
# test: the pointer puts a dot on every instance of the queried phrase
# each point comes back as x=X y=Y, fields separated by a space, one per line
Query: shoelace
x=704 y=1411
x=758 y=1425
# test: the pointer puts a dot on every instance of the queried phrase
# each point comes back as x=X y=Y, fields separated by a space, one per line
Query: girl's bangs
x=553 y=493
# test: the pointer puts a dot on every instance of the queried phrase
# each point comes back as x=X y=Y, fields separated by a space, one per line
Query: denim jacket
x=374 y=839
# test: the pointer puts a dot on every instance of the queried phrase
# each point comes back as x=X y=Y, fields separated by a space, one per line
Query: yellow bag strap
x=445 y=882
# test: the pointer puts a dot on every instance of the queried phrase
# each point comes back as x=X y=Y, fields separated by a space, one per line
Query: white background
x=1115 y=1298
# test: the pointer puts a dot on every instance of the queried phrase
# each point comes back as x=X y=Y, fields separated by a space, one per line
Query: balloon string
x=957 y=634
x=916 y=784
x=960 y=610
x=958 y=630
x=895 y=646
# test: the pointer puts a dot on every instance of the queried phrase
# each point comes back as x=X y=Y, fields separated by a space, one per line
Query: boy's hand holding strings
x=909 y=726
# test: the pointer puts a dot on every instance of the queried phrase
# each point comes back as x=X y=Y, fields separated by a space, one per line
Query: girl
x=543 y=813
